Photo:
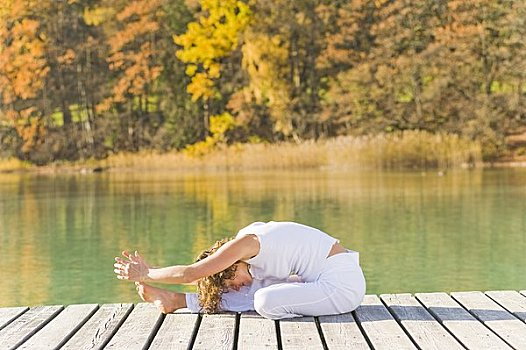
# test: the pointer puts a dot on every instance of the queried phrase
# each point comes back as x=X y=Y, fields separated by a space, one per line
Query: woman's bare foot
x=165 y=300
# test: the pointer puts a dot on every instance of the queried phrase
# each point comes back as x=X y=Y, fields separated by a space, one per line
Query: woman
x=279 y=269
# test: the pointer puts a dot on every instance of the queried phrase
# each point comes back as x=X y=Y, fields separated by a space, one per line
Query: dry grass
x=13 y=164
x=408 y=150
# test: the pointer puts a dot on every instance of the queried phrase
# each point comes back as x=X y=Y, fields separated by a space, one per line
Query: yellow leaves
x=191 y=69
x=214 y=35
x=200 y=87
x=219 y=125
x=214 y=70
x=265 y=60
x=96 y=16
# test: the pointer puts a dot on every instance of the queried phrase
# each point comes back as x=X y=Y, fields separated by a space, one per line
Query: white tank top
x=287 y=249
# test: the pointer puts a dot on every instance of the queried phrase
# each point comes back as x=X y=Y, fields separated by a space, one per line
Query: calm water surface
x=416 y=232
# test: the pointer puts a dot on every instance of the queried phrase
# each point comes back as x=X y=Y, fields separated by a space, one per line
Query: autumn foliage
x=82 y=79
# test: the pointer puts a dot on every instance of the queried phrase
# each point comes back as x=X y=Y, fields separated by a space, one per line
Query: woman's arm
x=135 y=268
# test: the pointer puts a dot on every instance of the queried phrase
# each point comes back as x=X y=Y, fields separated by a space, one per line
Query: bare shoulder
x=248 y=244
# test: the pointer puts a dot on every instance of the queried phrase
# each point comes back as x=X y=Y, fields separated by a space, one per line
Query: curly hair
x=211 y=288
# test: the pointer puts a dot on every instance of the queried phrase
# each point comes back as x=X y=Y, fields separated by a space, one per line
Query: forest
x=85 y=79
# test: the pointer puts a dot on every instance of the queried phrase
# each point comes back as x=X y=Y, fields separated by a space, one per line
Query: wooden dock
x=461 y=320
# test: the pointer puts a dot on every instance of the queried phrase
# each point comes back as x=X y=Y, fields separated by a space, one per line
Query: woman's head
x=211 y=288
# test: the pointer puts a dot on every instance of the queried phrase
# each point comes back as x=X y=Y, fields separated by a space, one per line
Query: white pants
x=339 y=288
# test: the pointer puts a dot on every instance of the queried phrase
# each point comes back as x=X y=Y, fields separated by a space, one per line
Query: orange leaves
x=26 y=27
x=137 y=71
x=68 y=57
x=23 y=66
x=116 y=60
x=28 y=125
x=140 y=8
x=131 y=32
x=132 y=51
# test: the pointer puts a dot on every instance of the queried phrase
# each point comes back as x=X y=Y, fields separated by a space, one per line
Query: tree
x=23 y=70
x=134 y=59
x=471 y=42
x=77 y=74
x=179 y=112
x=280 y=55
x=208 y=41
x=388 y=86
x=351 y=97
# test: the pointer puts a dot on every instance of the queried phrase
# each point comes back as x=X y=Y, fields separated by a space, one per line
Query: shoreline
x=91 y=167
x=409 y=151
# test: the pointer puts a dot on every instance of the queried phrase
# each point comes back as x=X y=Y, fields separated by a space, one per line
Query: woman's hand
x=133 y=268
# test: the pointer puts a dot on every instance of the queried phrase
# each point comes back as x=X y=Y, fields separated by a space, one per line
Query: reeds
x=13 y=164
x=404 y=150
x=407 y=150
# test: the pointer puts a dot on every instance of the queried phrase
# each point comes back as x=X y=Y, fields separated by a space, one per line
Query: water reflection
x=415 y=232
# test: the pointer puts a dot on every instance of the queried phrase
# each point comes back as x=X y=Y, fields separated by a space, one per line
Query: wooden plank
x=425 y=331
x=8 y=314
x=138 y=329
x=342 y=332
x=300 y=333
x=61 y=328
x=176 y=332
x=512 y=301
x=216 y=332
x=464 y=326
x=25 y=326
x=500 y=321
x=380 y=327
x=95 y=333
x=256 y=332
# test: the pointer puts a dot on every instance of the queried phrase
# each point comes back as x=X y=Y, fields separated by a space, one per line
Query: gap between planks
x=474 y=320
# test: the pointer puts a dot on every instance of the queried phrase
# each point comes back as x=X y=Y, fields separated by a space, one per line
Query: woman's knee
x=355 y=295
x=266 y=305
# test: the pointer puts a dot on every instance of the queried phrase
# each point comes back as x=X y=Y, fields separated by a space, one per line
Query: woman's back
x=288 y=248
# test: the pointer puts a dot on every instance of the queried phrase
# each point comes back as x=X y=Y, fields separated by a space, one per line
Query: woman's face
x=241 y=278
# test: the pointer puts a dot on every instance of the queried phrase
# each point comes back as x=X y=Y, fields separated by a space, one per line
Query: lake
x=416 y=232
